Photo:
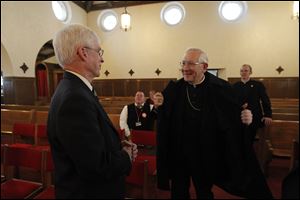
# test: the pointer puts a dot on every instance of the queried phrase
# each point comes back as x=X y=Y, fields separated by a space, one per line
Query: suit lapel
x=102 y=112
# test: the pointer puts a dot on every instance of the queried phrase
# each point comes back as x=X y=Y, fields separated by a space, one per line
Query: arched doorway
x=42 y=82
x=48 y=73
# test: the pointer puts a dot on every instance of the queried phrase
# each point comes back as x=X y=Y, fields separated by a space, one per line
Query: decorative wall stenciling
x=131 y=72
x=157 y=71
x=106 y=73
x=24 y=67
x=279 y=69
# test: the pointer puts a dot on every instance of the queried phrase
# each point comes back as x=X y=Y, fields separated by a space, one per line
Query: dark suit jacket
x=254 y=92
x=220 y=149
x=86 y=150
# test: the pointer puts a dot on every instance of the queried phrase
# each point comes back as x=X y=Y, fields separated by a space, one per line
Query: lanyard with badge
x=138 y=123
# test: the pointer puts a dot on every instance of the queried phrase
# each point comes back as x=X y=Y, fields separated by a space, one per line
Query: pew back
x=115 y=118
x=281 y=134
x=9 y=117
x=41 y=117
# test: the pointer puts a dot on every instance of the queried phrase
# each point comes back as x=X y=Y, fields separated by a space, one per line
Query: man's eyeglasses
x=188 y=63
x=100 y=52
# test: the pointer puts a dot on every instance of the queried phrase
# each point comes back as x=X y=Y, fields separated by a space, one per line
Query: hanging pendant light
x=125 y=20
x=295 y=10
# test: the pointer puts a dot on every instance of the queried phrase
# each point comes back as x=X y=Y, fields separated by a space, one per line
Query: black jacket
x=86 y=150
x=254 y=93
x=225 y=156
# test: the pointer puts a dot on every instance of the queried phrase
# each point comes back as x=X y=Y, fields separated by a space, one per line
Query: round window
x=232 y=11
x=62 y=11
x=172 y=13
x=107 y=20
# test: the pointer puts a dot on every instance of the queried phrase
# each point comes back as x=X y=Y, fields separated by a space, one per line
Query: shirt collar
x=245 y=81
x=136 y=104
x=88 y=84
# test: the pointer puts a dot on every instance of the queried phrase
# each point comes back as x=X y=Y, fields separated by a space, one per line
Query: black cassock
x=221 y=149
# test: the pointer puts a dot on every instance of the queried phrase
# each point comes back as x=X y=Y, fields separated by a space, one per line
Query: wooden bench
x=295 y=155
x=285 y=103
x=281 y=134
x=115 y=118
x=285 y=110
x=9 y=117
x=113 y=110
x=24 y=107
x=40 y=117
x=286 y=116
x=276 y=140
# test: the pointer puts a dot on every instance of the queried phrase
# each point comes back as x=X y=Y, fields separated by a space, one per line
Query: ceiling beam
x=88 y=5
x=119 y=4
x=81 y=4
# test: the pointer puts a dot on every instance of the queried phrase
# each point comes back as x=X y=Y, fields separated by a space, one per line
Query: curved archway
x=48 y=73
x=42 y=82
x=6 y=64
x=42 y=72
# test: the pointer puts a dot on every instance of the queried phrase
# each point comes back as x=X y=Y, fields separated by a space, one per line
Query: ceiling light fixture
x=125 y=20
x=295 y=10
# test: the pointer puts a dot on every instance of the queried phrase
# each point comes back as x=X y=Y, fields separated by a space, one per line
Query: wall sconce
x=125 y=20
x=295 y=10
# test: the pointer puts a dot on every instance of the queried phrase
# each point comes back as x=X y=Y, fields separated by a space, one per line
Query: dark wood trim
x=91 y=6
x=19 y=90
x=81 y=4
x=128 y=87
x=277 y=87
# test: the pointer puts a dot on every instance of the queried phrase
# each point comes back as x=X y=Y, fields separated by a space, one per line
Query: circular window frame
x=68 y=11
x=244 y=8
x=169 y=6
x=102 y=16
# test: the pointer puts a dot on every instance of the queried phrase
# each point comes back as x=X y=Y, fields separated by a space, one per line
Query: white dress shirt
x=123 y=119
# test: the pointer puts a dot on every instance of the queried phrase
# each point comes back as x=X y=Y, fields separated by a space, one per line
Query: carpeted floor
x=279 y=168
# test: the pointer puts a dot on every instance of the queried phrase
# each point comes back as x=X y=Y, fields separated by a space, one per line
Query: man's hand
x=130 y=148
x=246 y=116
x=267 y=120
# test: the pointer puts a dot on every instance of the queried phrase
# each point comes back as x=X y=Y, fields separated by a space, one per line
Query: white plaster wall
x=26 y=26
x=6 y=66
x=266 y=38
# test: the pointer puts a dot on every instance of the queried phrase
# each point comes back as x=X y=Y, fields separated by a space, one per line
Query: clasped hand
x=246 y=116
x=130 y=148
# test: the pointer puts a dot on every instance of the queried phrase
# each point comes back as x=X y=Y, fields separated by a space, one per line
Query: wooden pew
x=115 y=118
x=9 y=117
x=263 y=150
x=40 y=117
x=115 y=101
x=276 y=140
x=285 y=103
x=24 y=107
x=285 y=110
x=113 y=110
x=286 y=116
x=295 y=155
x=281 y=134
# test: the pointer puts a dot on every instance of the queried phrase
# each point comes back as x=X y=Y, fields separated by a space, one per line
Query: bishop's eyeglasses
x=189 y=63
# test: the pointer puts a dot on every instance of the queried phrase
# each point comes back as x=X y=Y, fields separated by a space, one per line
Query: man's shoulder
x=216 y=81
x=130 y=106
x=237 y=83
x=255 y=82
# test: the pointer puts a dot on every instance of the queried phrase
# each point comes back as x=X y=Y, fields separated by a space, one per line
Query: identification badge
x=138 y=123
